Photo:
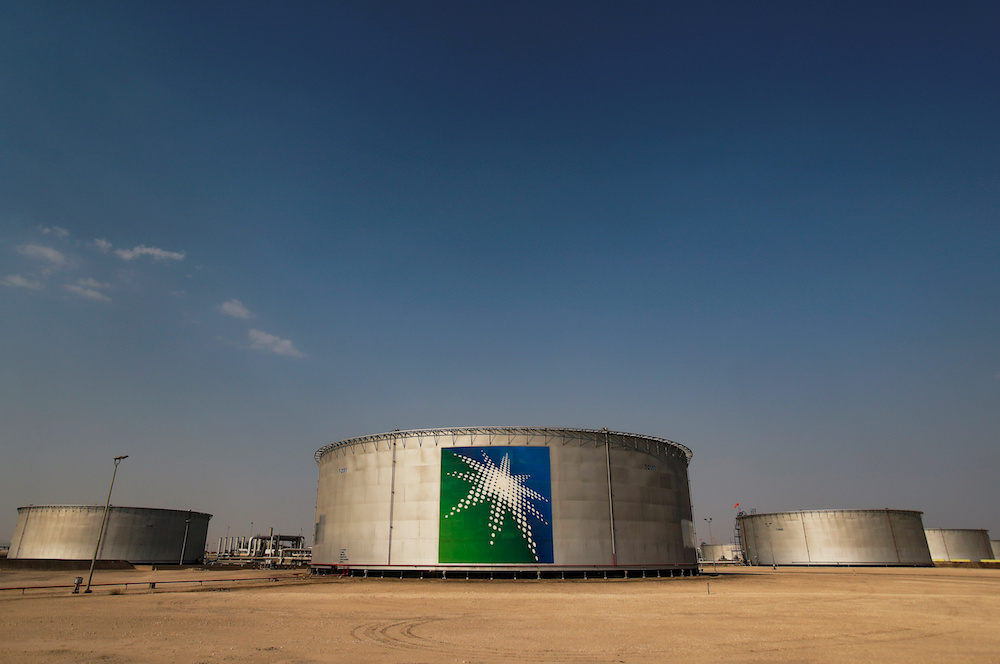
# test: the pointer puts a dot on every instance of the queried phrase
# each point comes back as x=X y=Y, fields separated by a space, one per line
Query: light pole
x=100 y=535
x=711 y=541
x=770 y=543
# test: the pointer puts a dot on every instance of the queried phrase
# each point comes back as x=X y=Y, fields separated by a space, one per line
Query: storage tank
x=135 y=534
x=504 y=498
x=716 y=553
x=835 y=537
x=995 y=546
x=959 y=544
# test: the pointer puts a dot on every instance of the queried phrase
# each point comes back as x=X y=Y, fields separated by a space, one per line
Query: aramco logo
x=496 y=505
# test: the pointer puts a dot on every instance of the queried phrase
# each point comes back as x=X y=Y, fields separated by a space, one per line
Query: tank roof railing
x=880 y=510
x=547 y=435
x=116 y=508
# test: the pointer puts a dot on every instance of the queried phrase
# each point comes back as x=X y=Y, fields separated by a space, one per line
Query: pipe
x=392 y=503
x=611 y=500
x=184 y=544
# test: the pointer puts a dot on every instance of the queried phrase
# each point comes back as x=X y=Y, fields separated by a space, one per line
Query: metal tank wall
x=835 y=537
x=135 y=534
x=959 y=544
x=995 y=545
x=720 y=552
x=380 y=502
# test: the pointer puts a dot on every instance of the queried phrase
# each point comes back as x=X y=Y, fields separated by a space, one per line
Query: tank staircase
x=738 y=538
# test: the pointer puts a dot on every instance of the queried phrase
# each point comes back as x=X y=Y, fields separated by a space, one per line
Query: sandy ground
x=749 y=615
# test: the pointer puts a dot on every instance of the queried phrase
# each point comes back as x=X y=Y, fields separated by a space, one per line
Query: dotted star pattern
x=506 y=494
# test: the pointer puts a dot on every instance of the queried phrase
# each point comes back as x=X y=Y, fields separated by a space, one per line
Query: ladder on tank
x=738 y=538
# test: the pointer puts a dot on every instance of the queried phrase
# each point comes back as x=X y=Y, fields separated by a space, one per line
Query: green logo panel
x=496 y=505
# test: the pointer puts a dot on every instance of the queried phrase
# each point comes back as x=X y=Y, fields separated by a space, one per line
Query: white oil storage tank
x=959 y=544
x=715 y=553
x=134 y=534
x=835 y=537
x=513 y=499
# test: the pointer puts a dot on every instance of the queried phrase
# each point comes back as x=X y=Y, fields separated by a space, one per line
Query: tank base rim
x=507 y=572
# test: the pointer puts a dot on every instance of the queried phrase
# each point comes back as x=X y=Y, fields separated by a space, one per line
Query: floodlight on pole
x=100 y=535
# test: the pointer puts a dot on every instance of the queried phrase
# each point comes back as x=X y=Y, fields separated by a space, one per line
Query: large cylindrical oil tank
x=135 y=534
x=835 y=537
x=504 y=498
x=959 y=544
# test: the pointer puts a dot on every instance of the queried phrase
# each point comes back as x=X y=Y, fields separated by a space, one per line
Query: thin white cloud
x=235 y=309
x=156 y=253
x=54 y=230
x=42 y=253
x=17 y=281
x=102 y=246
x=91 y=283
x=272 y=344
x=88 y=293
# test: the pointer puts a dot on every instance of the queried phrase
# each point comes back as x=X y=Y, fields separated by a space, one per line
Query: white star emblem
x=506 y=494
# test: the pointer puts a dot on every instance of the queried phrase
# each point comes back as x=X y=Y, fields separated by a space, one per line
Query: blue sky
x=233 y=233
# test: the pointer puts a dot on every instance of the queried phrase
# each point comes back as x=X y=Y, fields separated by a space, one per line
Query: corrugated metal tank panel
x=136 y=534
x=959 y=544
x=379 y=498
x=835 y=537
x=995 y=546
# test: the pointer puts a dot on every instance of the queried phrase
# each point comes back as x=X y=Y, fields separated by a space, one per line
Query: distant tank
x=995 y=545
x=135 y=534
x=959 y=544
x=711 y=553
x=835 y=537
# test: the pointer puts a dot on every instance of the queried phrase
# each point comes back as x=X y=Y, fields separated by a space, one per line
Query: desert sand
x=738 y=615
